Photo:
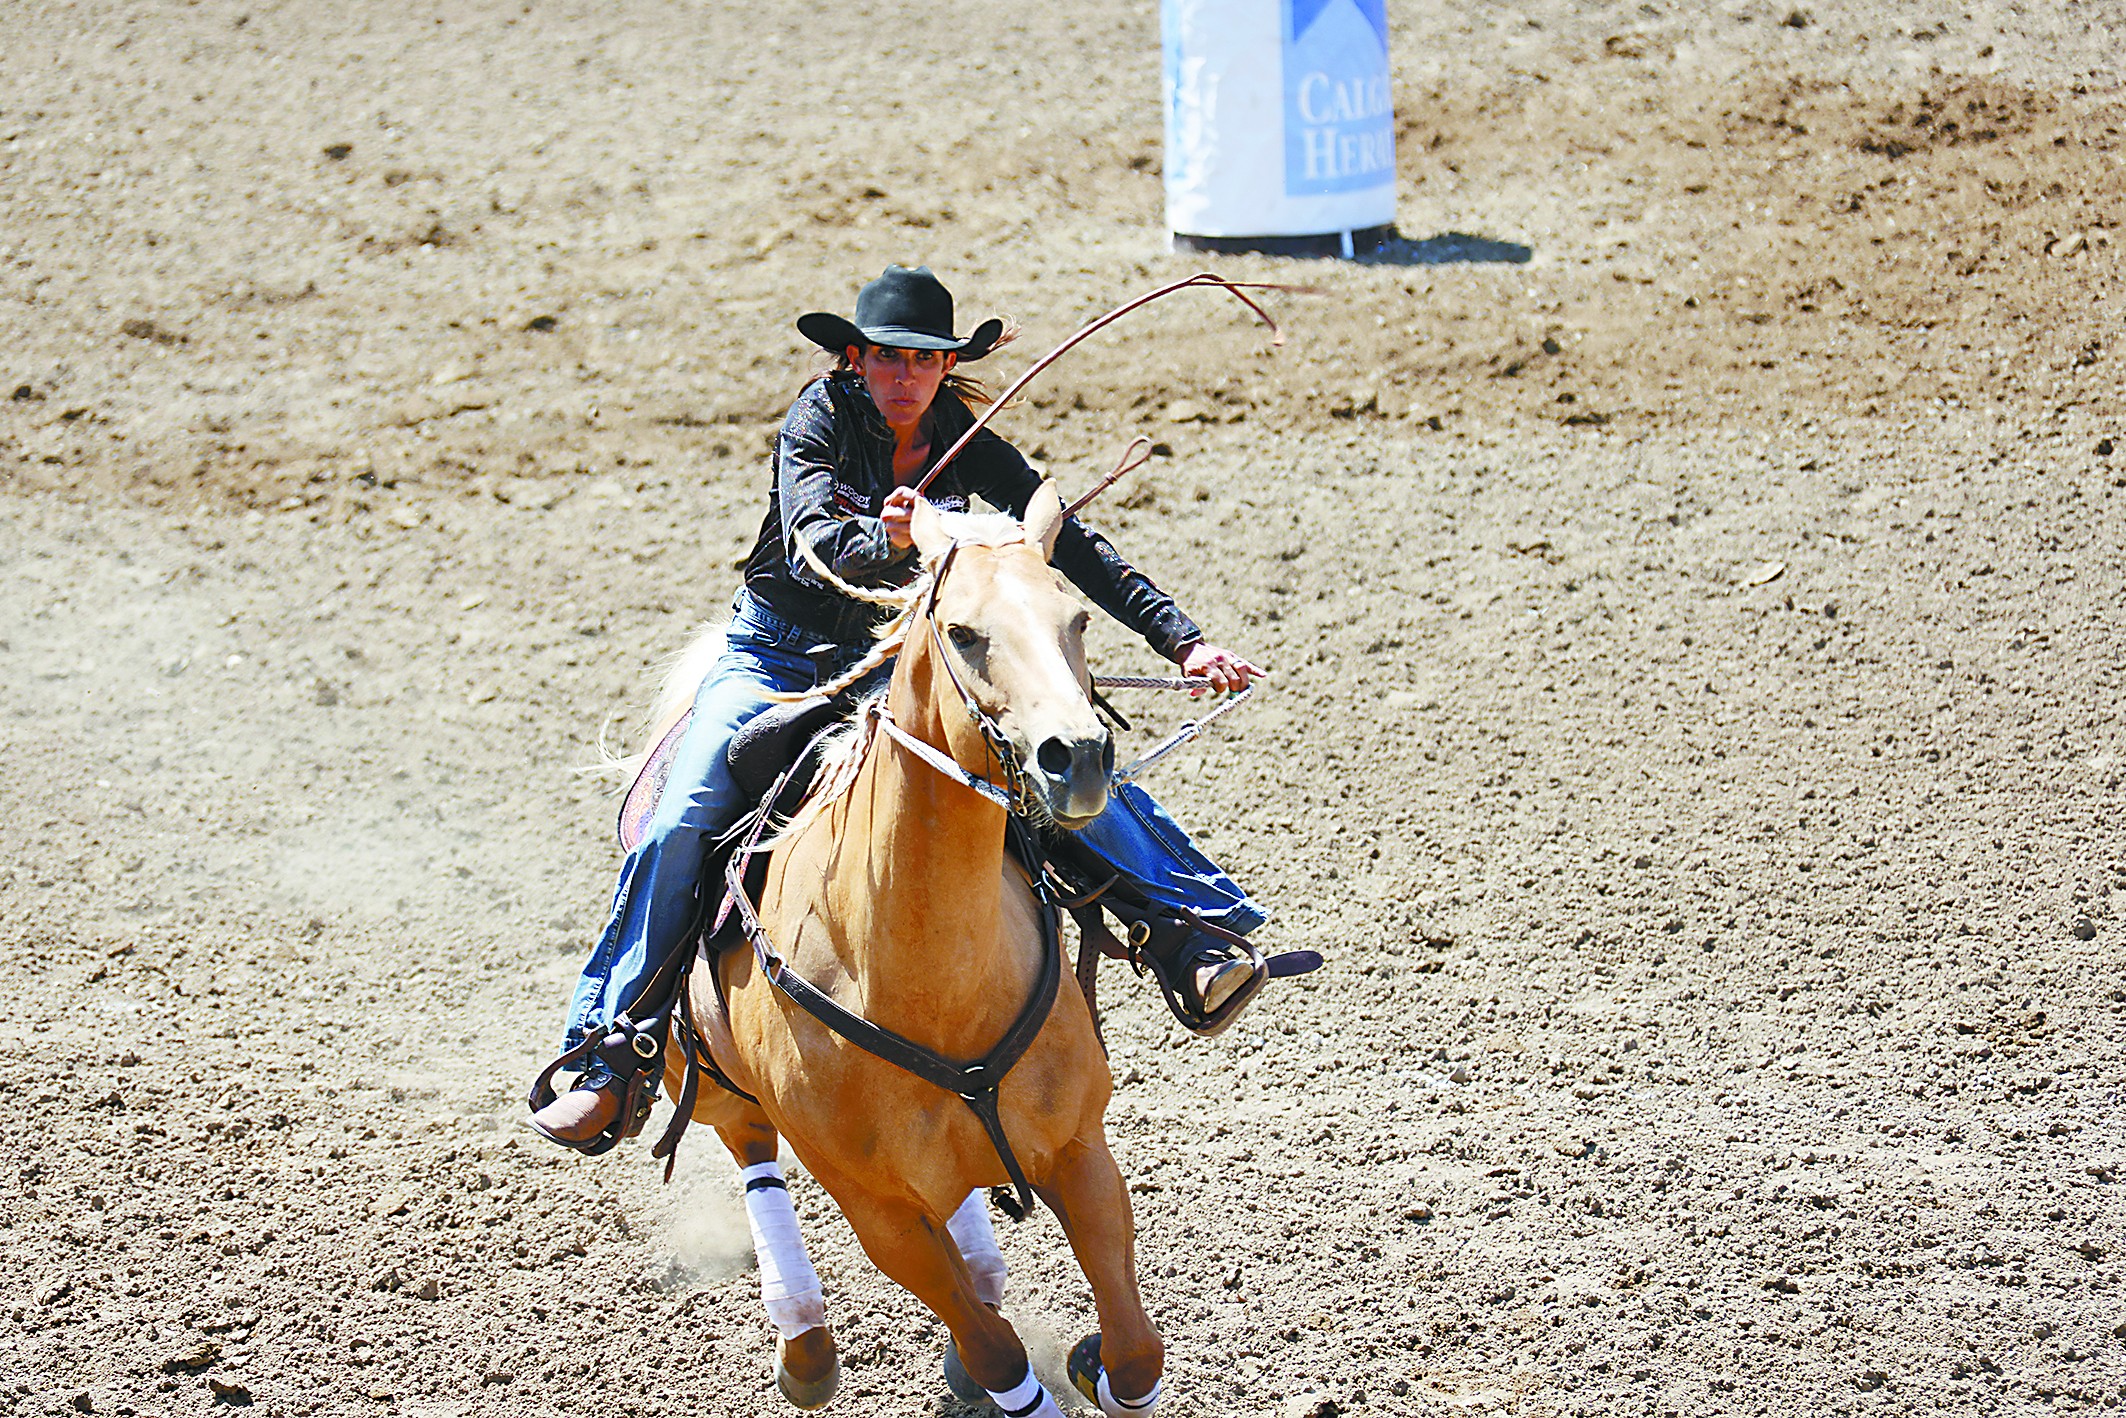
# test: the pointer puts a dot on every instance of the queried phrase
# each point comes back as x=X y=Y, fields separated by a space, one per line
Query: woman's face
x=902 y=382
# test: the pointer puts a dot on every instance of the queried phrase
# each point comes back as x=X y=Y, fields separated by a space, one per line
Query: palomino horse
x=893 y=895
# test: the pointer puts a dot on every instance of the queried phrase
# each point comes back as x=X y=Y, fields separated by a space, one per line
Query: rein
x=1190 y=729
x=944 y=763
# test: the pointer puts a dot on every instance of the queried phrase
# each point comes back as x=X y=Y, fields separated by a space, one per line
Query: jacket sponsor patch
x=848 y=500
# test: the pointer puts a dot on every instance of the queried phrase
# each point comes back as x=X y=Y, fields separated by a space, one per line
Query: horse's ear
x=1044 y=518
x=927 y=530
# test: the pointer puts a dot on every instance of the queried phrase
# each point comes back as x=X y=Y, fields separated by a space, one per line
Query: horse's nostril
x=1054 y=758
x=1107 y=754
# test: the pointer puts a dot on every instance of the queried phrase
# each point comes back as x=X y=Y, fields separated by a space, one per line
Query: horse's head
x=1013 y=643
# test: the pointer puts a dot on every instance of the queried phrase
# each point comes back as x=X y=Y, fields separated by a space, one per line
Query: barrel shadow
x=1450 y=248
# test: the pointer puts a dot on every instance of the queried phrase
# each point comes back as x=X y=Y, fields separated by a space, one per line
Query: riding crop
x=1134 y=457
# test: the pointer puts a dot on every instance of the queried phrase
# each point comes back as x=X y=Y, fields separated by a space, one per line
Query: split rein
x=1190 y=729
x=1133 y=457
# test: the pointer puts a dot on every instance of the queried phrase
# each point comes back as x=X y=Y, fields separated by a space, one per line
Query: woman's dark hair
x=966 y=387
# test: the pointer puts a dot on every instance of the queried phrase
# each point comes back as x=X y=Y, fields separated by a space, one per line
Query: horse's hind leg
x=807 y=1368
x=923 y=1257
x=1119 y=1368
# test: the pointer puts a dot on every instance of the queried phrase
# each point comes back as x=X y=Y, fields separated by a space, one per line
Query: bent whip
x=1201 y=278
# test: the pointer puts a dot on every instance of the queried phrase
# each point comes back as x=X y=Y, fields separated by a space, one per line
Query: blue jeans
x=1139 y=839
x=656 y=905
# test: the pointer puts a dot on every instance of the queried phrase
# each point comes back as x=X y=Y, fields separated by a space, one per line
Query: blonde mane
x=841 y=754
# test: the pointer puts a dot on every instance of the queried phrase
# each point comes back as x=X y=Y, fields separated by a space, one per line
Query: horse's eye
x=962 y=637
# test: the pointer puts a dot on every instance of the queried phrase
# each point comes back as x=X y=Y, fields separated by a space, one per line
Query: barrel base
x=1364 y=241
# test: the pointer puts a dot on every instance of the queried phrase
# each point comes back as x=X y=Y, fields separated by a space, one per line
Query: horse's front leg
x=1120 y=1367
x=923 y=1257
x=977 y=1243
x=807 y=1368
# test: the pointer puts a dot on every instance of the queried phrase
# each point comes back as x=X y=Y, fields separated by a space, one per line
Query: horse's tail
x=683 y=675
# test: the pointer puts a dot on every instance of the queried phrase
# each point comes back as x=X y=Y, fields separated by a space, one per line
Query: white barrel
x=1280 y=118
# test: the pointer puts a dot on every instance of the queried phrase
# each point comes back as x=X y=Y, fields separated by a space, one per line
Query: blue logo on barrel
x=1339 y=105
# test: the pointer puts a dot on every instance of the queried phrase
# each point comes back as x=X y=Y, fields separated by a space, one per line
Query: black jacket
x=833 y=470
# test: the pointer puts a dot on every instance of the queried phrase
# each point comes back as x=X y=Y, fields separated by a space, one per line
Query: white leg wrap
x=789 y=1287
x=977 y=1241
x=1026 y=1399
x=1115 y=1407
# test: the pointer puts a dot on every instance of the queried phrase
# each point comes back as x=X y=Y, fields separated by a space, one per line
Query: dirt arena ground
x=1691 y=567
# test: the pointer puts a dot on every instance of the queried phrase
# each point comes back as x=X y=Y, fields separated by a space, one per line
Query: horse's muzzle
x=1072 y=775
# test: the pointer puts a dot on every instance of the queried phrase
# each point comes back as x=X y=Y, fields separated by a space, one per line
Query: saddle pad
x=641 y=799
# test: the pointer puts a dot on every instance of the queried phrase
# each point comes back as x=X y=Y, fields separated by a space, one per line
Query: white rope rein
x=943 y=763
x=1188 y=732
x=1150 y=682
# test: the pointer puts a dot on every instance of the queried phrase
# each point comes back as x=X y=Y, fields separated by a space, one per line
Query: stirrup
x=1174 y=971
x=634 y=1111
x=619 y=1055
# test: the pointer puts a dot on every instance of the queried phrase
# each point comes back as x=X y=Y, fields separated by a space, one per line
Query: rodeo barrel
x=1280 y=126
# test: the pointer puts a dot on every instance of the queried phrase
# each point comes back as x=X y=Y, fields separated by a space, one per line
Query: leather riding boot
x=621 y=1065
x=580 y=1114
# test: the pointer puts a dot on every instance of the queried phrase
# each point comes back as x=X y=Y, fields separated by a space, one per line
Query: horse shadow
x=1449 y=248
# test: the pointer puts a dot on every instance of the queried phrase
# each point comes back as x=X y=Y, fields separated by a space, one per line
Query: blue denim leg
x=655 y=904
x=1137 y=838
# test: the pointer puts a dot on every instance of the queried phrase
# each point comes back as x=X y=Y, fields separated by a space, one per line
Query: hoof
x=1086 y=1370
x=808 y=1369
x=962 y=1383
x=1085 y=1367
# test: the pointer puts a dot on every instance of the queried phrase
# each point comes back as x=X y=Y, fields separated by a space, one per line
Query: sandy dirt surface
x=1696 y=740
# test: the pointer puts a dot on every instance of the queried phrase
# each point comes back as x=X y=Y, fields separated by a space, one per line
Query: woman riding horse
x=850 y=453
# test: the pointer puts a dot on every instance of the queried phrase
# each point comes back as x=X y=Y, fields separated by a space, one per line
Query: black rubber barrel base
x=1364 y=242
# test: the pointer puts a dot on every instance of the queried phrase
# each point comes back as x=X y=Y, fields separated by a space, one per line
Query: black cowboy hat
x=904 y=310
